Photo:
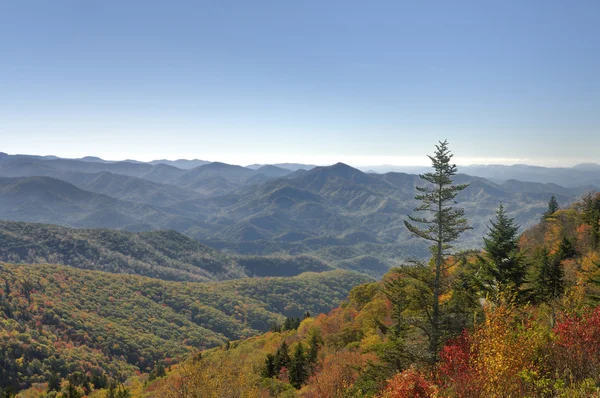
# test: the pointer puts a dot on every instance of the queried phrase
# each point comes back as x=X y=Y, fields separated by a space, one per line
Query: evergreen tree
x=548 y=283
x=53 y=383
x=268 y=369
x=282 y=357
x=298 y=367
x=503 y=266
x=275 y=328
x=565 y=249
x=553 y=207
x=287 y=325
x=590 y=204
x=445 y=224
x=313 y=350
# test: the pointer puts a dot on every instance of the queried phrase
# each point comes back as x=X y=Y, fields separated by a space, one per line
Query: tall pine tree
x=443 y=226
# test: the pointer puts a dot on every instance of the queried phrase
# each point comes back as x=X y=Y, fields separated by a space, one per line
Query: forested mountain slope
x=167 y=255
x=58 y=321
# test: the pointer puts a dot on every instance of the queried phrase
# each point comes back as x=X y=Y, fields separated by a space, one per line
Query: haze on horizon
x=305 y=82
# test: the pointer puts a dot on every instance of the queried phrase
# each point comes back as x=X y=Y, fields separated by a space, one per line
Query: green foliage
x=282 y=358
x=590 y=207
x=166 y=255
x=269 y=369
x=58 y=320
x=503 y=265
x=312 y=355
x=549 y=276
x=298 y=372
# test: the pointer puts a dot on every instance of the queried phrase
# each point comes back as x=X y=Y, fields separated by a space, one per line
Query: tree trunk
x=435 y=318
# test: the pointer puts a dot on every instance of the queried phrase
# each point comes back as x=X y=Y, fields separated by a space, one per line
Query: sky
x=316 y=82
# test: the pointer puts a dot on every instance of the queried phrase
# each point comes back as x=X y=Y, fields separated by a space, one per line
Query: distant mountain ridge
x=337 y=213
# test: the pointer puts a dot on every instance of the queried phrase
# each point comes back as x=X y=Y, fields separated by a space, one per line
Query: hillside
x=532 y=341
x=166 y=255
x=61 y=320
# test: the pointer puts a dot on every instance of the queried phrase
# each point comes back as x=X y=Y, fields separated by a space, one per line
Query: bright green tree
x=503 y=265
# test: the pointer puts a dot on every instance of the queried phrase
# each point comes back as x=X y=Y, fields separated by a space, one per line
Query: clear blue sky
x=314 y=81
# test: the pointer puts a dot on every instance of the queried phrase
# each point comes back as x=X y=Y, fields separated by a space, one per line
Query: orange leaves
x=338 y=373
x=409 y=384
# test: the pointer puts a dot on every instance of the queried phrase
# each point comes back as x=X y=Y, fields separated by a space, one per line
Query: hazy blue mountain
x=567 y=177
x=181 y=163
x=289 y=166
x=588 y=167
x=116 y=185
x=335 y=212
x=215 y=178
x=94 y=159
x=581 y=175
x=49 y=200
x=273 y=171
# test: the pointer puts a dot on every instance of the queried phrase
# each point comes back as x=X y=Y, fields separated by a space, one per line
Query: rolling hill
x=59 y=320
x=167 y=255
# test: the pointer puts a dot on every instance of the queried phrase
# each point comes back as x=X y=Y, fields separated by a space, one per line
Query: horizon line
x=468 y=162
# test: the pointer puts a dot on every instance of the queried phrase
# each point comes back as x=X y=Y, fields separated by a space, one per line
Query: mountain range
x=339 y=214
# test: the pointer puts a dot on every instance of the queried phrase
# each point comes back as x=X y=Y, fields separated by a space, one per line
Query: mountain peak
x=320 y=176
x=340 y=170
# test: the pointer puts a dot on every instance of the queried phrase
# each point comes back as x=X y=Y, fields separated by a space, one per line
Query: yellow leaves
x=370 y=342
x=444 y=298
x=373 y=313
x=554 y=234
x=305 y=326
x=504 y=349
x=217 y=377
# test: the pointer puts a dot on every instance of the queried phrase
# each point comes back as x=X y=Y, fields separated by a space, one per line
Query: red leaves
x=577 y=346
x=454 y=359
